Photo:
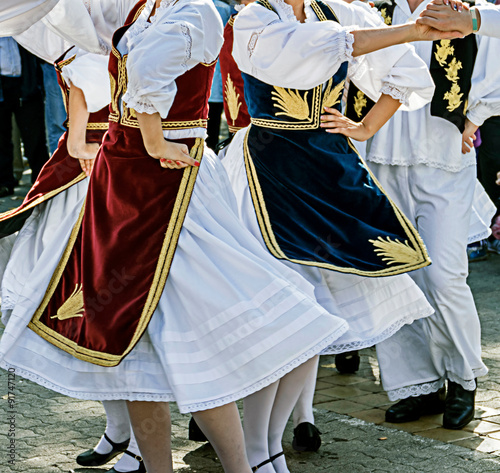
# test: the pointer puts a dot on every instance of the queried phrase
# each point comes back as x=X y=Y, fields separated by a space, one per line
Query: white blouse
x=416 y=137
x=279 y=50
x=17 y=16
x=179 y=36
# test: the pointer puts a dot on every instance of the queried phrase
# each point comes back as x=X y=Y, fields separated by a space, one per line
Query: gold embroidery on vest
x=394 y=252
x=466 y=106
x=454 y=97
x=232 y=98
x=291 y=102
x=72 y=307
x=386 y=17
x=331 y=96
x=359 y=103
x=452 y=70
x=443 y=50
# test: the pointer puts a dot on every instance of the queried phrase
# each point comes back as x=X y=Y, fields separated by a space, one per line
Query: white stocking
x=303 y=410
x=256 y=417
x=117 y=425
x=126 y=462
x=289 y=389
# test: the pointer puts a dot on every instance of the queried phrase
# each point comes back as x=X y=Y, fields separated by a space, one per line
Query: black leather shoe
x=410 y=409
x=195 y=433
x=92 y=458
x=141 y=469
x=459 y=407
x=347 y=363
x=306 y=438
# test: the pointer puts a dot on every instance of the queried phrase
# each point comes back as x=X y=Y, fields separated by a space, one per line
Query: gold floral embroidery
x=73 y=307
x=232 y=98
x=386 y=17
x=454 y=97
x=452 y=70
x=291 y=102
x=331 y=97
x=395 y=252
x=359 y=103
x=443 y=51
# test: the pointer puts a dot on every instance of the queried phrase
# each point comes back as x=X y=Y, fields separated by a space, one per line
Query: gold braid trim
x=156 y=290
x=43 y=198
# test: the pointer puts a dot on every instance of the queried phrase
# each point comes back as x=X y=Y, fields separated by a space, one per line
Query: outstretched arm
x=373 y=39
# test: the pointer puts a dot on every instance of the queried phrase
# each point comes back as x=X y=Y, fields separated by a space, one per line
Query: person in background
x=55 y=114
x=215 y=102
x=21 y=95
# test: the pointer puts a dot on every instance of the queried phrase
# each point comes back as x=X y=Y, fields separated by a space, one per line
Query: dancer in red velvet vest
x=160 y=292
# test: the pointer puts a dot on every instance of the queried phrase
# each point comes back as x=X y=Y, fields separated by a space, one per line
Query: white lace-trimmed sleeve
x=89 y=72
x=396 y=71
x=181 y=36
x=484 y=95
x=286 y=53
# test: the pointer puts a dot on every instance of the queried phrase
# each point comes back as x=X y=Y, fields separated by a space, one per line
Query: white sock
x=303 y=410
x=127 y=463
x=117 y=425
x=256 y=416
x=289 y=389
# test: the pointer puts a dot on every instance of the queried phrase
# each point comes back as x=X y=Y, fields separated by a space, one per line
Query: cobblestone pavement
x=51 y=429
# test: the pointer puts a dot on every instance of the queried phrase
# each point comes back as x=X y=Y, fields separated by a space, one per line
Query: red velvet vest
x=235 y=107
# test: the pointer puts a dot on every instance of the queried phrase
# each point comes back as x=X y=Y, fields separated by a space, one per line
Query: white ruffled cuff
x=397 y=92
x=140 y=105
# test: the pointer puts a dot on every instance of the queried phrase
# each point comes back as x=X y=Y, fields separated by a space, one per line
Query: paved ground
x=50 y=429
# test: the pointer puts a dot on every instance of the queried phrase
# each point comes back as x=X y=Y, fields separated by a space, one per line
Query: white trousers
x=447 y=345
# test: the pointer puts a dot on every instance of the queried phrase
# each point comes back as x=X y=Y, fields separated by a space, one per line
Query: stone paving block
x=445 y=435
x=482 y=427
x=374 y=399
x=343 y=406
x=375 y=416
x=343 y=392
x=483 y=412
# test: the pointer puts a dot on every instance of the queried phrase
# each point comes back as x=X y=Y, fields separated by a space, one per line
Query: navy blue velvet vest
x=316 y=202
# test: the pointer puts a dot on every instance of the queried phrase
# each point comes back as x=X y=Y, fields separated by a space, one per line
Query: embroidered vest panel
x=190 y=106
x=235 y=107
x=293 y=109
x=97 y=120
x=452 y=63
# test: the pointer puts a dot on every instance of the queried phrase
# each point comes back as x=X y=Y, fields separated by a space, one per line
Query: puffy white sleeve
x=179 y=39
x=490 y=20
x=396 y=71
x=287 y=53
x=43 y=42
x=89 y=72
x=17 y=16
x=484 y=95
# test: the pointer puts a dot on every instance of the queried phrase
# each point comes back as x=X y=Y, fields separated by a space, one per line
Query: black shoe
x=410 y=409
x=306 y=438
x=195 y=433
x=347 y=363
x=141 y=469
x=5 y=191
x=459 y=407
x=92 y=458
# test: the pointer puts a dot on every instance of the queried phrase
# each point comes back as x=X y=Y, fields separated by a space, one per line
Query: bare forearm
x=152 y=134
x=369 y=40
x=78 y=120
x=380 y=113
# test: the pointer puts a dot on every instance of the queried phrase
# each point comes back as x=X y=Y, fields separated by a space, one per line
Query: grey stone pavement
x=51 y=429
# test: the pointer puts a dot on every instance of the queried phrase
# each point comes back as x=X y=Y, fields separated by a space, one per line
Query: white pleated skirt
x=232 y=319
x=374 y=308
